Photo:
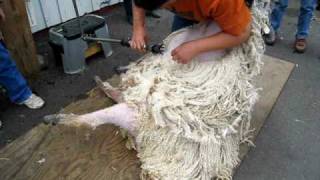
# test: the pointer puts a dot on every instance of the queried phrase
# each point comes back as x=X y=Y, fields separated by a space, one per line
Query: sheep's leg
x=109 y=90
x=120 y=115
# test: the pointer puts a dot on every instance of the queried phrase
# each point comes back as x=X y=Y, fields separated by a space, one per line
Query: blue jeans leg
x=180 y=22
x=277 y=13
x=11 y=79
x=307 y=8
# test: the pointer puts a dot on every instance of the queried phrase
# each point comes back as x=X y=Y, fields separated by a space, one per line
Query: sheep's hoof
x=53 y=119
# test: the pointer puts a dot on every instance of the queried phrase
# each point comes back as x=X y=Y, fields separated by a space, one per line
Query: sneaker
x=271 y=37
x=34 y=102
x=300 y=45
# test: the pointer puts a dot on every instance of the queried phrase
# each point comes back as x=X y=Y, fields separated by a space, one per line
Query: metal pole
x=78 y=16
x=86 y=38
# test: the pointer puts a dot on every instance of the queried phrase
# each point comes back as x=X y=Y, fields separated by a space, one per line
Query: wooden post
x=18 y=36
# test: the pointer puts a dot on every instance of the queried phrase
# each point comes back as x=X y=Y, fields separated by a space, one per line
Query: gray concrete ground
x=288 y=144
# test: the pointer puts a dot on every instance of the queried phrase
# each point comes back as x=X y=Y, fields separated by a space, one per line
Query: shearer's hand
x=139 y=39
x=2 y=15
x=184 y=53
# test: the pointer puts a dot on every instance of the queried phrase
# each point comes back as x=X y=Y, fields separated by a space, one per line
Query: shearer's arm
x=139 y=36
x=184 y=53
x=221 y=41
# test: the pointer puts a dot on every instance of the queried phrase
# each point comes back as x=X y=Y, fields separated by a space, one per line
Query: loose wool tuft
x=193 y=118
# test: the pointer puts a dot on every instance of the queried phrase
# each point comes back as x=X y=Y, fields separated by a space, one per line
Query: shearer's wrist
x=195 y=46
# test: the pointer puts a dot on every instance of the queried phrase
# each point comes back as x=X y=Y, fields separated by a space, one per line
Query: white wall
x=46 y=13
x=35 y=15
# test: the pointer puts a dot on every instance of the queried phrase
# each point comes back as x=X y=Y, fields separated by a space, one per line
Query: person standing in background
x=12 y=80
x=307 y=8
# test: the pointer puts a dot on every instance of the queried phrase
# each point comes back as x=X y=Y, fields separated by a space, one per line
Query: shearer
x=232 y=16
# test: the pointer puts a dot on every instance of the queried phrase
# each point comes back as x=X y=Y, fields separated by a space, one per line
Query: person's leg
x=306 y=12
x=112 y=92
x=277 y=13
x=179 y=23
x=307 y=8
x=11 y=79
x=128 y=8
x=275 y=20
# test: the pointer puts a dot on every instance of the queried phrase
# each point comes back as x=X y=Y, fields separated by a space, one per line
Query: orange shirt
x=233 y=16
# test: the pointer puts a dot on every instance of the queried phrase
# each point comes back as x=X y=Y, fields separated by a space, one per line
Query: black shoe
x=152 y=14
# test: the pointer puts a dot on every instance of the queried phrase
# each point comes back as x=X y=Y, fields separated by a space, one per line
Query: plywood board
x=70 y=153
x=272 y=80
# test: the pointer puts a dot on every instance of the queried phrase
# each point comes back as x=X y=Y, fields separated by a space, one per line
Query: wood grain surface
x=18 y=37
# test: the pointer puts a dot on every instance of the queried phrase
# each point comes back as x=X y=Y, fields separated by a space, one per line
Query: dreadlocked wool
x=193 y=118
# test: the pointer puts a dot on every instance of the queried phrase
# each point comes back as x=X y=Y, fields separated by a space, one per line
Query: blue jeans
x=180 y=22
x=11 y=79
x=306 y=12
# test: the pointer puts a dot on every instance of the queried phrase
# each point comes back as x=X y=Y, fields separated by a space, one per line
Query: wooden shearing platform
x=61 y=152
